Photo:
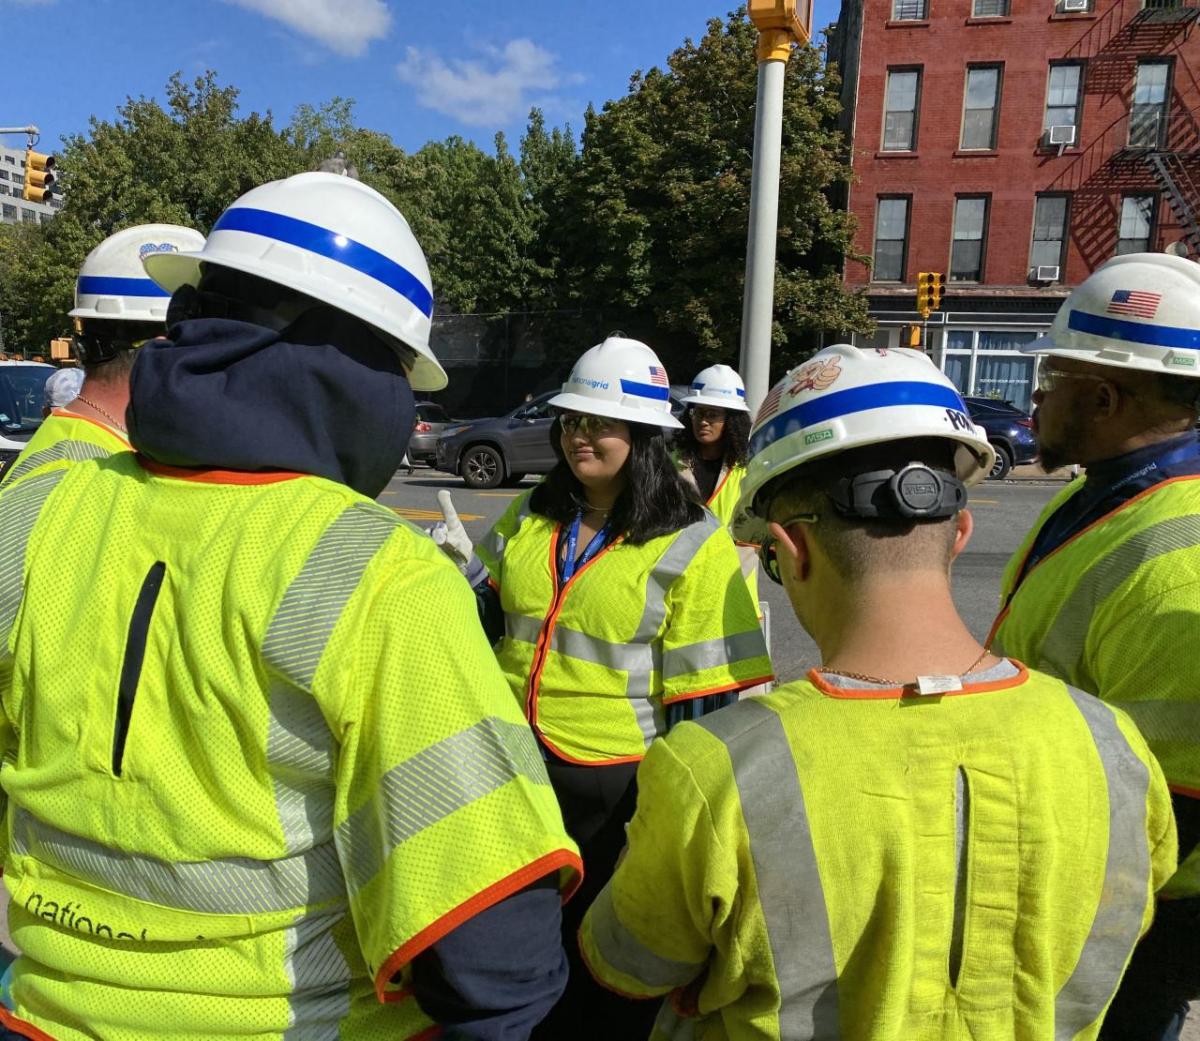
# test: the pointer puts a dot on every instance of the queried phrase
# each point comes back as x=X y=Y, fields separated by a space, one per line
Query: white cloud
x=344 y=26
x=490 y=92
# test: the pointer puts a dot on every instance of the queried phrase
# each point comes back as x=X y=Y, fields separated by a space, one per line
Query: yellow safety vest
x=258 y=755
x=722 y=503
x=635 y=628
x=65 y=438
x=817 y=862
x=1116 y=611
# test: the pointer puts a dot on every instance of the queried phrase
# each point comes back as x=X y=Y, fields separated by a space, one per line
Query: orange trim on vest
x=481 y=901
x=720 y=485
x=21 y=1027
x=211 y=475
x=67 y=414
x=1179 y=789
x=910 y=690
x=1078 y=535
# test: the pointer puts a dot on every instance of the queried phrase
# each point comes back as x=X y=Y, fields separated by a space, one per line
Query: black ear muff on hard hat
x=99 y=340
x=914 y=492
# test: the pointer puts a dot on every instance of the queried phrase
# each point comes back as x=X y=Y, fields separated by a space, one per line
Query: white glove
x=450 y=534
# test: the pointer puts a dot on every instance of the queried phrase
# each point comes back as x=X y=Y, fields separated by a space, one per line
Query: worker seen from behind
x=117 y=308
x=711 y=449
x=1105 y=591
x=255 y=788
x=920 y=841
x=623 y=606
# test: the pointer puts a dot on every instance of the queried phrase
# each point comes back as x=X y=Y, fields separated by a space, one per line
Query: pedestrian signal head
x=620 y=379
x=334 y=240
x=847 y=397
x=1138 y=311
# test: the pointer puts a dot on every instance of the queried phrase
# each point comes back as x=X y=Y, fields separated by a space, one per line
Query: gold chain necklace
x=96 y=408
x=897 y=683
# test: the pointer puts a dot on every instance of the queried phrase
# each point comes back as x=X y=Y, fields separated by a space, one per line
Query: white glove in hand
x=450 y=534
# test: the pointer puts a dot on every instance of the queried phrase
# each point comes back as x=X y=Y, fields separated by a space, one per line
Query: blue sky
x=418 y=69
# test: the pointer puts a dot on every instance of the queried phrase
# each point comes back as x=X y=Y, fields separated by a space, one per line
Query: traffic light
x=39 y=177
x=910 y=336
x=929 y=292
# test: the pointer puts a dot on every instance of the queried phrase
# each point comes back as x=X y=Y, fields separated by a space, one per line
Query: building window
x=981 y=106
x=910 y=10
x=1148 y=115
x=3 y=189
x=990 y=9
x=903 y=103
x=10 y=212
x=3 y=175
x=1049 y=236
x=891 y=239
x=1063 y=93
x=970 y=238
x=1073 y=6
x=28 y=216
x=1137 y=224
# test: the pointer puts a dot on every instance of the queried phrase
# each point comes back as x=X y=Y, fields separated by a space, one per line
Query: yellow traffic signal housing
x=39 y=177
x=791 y=16
x=929 y=292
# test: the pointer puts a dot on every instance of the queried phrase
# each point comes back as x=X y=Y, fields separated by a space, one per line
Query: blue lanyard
x=569 y=564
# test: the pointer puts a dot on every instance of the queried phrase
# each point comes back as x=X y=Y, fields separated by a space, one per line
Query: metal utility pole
x=32 y=132
x=780 y=25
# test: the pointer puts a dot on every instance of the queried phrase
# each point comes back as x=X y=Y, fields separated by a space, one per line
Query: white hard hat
x=621 y=379
x=846 y=397
x=1138 y=311
x=720 y=386
x=112 y=283
x=331 y=238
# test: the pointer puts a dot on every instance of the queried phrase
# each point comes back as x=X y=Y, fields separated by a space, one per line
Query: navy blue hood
x=235 y=396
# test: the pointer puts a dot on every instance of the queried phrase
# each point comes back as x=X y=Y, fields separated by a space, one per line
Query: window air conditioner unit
x=1046 y=273
x=1075 y=5
x=1061 y=135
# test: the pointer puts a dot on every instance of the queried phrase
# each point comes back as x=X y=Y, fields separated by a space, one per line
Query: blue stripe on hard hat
x=332 y=246
x=1134 y=332
x=856 y=399
x=645 y=390
x=697 y=386
x=96 y=285
x=740 y=393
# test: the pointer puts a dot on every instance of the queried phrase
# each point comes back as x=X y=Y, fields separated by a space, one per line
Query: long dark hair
x=656 y=500
x=736 y=439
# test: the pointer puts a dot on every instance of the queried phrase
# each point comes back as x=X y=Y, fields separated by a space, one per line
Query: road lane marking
x=412 y=514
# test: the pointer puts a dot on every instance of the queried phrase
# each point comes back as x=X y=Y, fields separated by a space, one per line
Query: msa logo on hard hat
x=147 y=248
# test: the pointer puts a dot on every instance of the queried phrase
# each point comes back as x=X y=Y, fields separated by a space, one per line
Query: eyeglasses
x=708 y=415
x=587 y=425
x=1048 y=378
x=766 y=552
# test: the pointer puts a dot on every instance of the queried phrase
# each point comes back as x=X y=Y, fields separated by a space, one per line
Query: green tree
x=661 y=204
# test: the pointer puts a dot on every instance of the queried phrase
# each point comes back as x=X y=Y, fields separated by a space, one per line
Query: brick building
x=1014 y=145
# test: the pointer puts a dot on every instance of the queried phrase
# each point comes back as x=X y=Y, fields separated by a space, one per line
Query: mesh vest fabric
x=62 y=439
x=637 y=627
x=722 y=504
x=1115 y=611
x=323 y=771
x=793 y=867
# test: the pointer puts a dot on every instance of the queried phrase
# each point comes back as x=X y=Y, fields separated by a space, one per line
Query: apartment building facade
x=1014 y=146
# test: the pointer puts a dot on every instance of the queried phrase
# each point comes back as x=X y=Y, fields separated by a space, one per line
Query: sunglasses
x=587 y=425
x=1048 y=378
x=708 y=415
x=766 y=552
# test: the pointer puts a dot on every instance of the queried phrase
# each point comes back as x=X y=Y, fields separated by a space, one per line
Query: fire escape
x=1173 y=167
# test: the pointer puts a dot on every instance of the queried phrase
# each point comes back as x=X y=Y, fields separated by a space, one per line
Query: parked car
x=489 y=452
x=1010 y=431
x=431 y=421
x=22 y=394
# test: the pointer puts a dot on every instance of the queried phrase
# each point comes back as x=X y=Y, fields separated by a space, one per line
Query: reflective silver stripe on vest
x=624 y=953
x=319 y=977
x=785 y=868
x=432 y=785
x=19 y=510
x=712 y=654
x=1126 y=890
x=299 y=744
x=1161 y=721
x=238 y=885
x=1063 y=646
x=72 y=451
x=522 y=627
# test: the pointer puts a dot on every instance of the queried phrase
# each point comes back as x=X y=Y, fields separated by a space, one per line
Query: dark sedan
x=1010 y=431
x=431 y=420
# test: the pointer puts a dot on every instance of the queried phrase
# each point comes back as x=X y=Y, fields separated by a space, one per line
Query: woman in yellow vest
x=712 y=448
x=621 y=597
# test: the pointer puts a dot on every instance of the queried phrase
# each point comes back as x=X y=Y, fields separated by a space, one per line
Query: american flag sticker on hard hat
x=1135 y=302
x=770 y=405
x=658 y=375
